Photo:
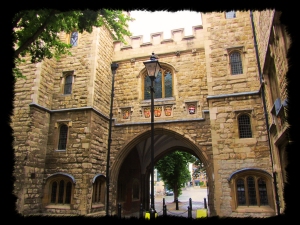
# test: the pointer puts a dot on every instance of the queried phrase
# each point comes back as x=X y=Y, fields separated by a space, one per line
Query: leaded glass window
x=68 y=84
x=98 y=190
x=74 y=38
x=53 y=192
x=163 y=85
x=158 y=86
x=262 y=188
x=241 y=192
x=244 y=126
x=61 y=190
x=236 y=63
x=168 y=85
x=251 y=191
x=63 y=134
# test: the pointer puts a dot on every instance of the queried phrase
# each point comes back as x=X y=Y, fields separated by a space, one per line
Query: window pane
x=157 y=86
x=168 y=85
x=68 y=193
x=251 y=191
x=63 y=137
x=230 y=14
x=244 y=126
x=147 y=84
x=241 y=192
x=262 y=192
x=68 y=85
x=74 y=38
x=53 y=192
x=236 y=63
x=61 y=191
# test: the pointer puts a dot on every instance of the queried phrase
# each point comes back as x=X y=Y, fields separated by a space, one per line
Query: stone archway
x=137 y=152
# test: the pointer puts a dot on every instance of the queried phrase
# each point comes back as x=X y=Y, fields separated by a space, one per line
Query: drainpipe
x=262 y=87
x=114 y=67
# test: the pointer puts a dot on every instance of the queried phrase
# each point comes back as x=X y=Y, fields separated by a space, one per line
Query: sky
x=162 y=21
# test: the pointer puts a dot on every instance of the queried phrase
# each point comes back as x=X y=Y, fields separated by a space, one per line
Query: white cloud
x=147 y=22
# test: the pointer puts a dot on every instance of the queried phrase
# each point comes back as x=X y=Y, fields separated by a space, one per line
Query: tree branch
x=31 y=39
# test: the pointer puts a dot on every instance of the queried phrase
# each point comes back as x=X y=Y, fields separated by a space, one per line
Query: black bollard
x=189 y=212
x=176 y=201
x=164 y=201
x=205 y=205
x=141 y=211
x=119 y=210
x=191 y=204
x=164 y=210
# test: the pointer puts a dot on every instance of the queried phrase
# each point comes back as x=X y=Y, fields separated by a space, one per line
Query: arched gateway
x=130 y=171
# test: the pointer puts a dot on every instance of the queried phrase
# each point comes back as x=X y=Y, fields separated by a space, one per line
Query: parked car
x=169 y=193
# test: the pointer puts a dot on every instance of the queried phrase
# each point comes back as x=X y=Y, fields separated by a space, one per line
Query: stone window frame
x=64 y=76
x=228 y=52
x=164 y=70
x=58 y=125
x=99 y=190
x=256 y=174
x=48 y=191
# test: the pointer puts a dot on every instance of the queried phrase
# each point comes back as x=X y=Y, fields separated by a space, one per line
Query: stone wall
x=221 y=36
x=228 y=96
x=30 y=127
x=273 y=50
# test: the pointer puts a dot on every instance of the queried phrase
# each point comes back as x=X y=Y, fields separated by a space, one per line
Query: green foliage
x=200 y=169
x=36 y=32
x=173 y=170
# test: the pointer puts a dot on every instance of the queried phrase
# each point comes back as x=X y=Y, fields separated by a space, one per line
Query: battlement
x=178 y=42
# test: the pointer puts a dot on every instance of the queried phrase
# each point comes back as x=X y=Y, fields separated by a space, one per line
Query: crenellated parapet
x=177 y=43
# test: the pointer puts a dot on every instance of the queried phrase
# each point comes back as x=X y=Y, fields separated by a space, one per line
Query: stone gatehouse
x=208 y=102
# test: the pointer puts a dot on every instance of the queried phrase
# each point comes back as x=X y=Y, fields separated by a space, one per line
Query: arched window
x=99 y=190
x=63 y=135
x=251 y=187
x=68 y=84
x=244 y=124
x=60 y=190
x=74 y=39
x=236 y=65
x=251 y=190
x=163 y=85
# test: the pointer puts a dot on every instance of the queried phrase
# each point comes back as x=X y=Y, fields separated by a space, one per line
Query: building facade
x=220 y=95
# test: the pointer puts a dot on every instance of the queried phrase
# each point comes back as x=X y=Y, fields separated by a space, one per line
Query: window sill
x=170 y=100
x=237 y=76
x=58 y=206
x=256 y=209
x=62 y=150
x=245 y=140
x=97 y=205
